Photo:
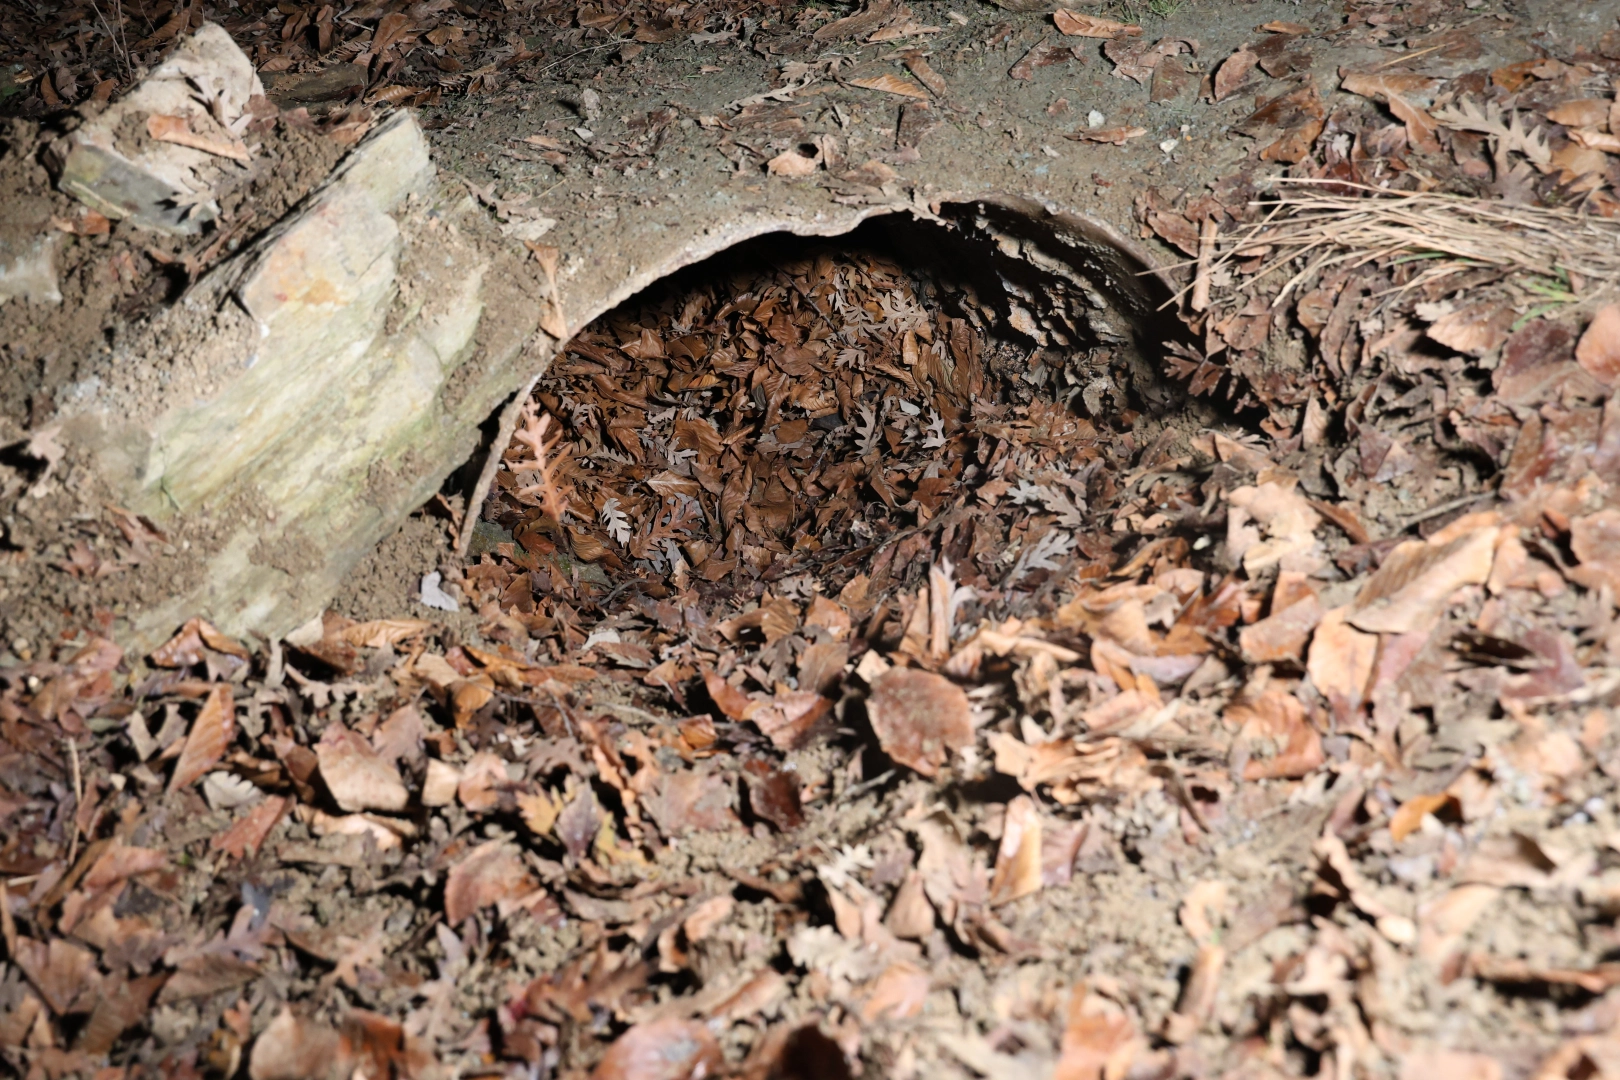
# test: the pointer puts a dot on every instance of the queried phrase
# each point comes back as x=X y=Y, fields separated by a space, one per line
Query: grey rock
x=208 y=82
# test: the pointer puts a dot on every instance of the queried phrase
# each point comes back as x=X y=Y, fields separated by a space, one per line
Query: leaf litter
x=864 y=685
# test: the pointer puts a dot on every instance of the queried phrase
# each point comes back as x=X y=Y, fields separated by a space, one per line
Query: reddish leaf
x=248 y=832
x=773 y=795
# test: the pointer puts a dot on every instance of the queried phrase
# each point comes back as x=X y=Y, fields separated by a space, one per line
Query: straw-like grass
x=1315 y=223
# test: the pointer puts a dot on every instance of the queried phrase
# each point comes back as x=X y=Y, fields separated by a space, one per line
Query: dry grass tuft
x=1313 y=226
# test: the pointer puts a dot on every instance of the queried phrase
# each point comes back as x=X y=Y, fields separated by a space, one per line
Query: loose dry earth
x=870 y=661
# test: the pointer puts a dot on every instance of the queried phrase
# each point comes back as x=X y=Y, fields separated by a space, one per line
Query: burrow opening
x=803 y=417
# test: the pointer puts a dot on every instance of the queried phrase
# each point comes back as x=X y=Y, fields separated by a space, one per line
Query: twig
x=1207 y=231
x=864 y=786
x=1446 y=508
x=492 y=465
x=116 y=38
x=78 y=798
x=8 y=927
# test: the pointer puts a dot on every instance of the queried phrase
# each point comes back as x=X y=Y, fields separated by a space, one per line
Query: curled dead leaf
x=1076 y=24
x=891 y=84
x=1018 y=871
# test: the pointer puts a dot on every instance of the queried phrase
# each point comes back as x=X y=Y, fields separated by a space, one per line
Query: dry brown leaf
x=1018 y=859
x=293 y=1048
x=1296 y=117
x=249 y=831
x=1409 y=817
x=1043 y=56
x=120 y=862
x=669 y=1049
x=482 y=779
x=1204 y=909
x=186 y=647
x=1596 y=140
x=1477 y=329
x=1580 y=113
x=707 y=915
x=1279 y=740
x=1075 y=24
x=440 y=784
x=891 y=84
x=382 y=633
x=863 y=22
x=1410 y=590
x=1419 y=1064
x=1118 y=135
x=1196 y=1004
x=1289 y=523
x=211 y=733
x=1100 y=1040
x=791 y=163
x=919 y=718
x=1598 y=979
x=386 y=833
x=491 y=872
x=1341 y=662
x=356 y=775
x=174 y=129
x=1595 y=540
x=1233 y=73
x=828 y=615
x=773 y=618
x=1444 y=922
x=540 y=810
x=1599 y=348
x=731 y=701
x=65 y=975
x=788 y=718
x=1281 y=635
x=1400 y=89
x=691 y=801
x=898 y=994
x=910 y=915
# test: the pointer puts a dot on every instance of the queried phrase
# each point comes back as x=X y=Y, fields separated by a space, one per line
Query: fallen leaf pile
x=863 y=670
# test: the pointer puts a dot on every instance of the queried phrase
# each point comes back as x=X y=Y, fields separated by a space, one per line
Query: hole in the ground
x=839 y=417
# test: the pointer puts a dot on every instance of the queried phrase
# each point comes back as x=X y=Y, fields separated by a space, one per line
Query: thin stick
x=492 y=465
x=8 y=927
x=78 y=797
x=1207 y=232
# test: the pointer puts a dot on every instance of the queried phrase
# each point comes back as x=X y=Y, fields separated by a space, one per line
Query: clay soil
x=873 y=657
